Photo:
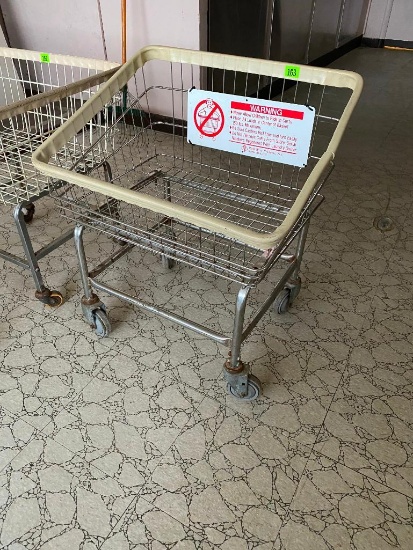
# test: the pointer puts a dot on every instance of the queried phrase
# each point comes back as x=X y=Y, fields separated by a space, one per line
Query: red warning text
x=267 y=110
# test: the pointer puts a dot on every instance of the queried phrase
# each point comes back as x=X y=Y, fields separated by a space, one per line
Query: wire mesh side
x=149 y=153
x=21 y=134
x=22 y=78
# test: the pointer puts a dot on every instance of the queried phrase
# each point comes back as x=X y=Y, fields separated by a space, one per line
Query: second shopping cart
x=216 y=162
x=38 y=93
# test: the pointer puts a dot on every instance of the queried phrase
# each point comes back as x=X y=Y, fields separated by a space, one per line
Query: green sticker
x=45 y=58
x=292 y=71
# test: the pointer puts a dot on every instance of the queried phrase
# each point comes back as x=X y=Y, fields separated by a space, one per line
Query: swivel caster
x=51 y=298
x=287 y=296
x=28 y=212
x=102 y=324
x=254 y=390
x=94 y=312
x=167 y=263
x=282 y=301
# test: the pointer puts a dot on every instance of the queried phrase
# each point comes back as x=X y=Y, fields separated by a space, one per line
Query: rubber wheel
x=102 y=323
x=167 y=263
x=254 y=390
x=30 y=210
x=282 y=301
x=55 y=299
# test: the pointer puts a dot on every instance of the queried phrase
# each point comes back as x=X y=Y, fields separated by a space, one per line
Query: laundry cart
x=217 y=163
x=38 y=92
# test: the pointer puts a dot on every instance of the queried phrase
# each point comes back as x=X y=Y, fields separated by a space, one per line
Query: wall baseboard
x=373 y=42
x=279 y=84
x=329 y=57
x=382 y=42
x=407 y=44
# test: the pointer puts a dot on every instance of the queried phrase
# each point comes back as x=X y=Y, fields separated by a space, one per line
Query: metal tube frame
x=235 y=371
x=301 y=240
x=81 y=256
x=30 y=261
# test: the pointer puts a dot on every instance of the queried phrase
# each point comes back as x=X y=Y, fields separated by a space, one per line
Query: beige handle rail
x=45 y=98
x=103 y=69
x=58 y=59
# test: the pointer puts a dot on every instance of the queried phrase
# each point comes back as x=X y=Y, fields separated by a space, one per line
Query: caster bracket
x=89 y=306
x=51 y=298
x=237 y=378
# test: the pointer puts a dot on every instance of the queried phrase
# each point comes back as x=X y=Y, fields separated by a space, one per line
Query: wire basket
x=226 y=213
x=38 y=93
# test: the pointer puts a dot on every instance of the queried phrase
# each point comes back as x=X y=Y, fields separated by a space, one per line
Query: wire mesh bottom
x=240 y=197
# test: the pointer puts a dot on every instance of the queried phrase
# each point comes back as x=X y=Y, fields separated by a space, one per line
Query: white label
x=271 y=130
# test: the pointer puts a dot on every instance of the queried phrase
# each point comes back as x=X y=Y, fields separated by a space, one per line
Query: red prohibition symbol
x=209 y=118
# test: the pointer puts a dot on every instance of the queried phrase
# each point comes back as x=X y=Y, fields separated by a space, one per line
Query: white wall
x=378 y=18
x=401 y=21
x=391 y=19
x=10 y=90
x=72 y=26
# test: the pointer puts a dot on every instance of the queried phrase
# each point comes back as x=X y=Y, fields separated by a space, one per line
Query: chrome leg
x=235 y=372
x=90 y=302
x=81 y=256
x=31 y=258
x=302 y=237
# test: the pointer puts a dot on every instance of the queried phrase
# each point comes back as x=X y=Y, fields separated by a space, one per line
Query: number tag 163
x=292 y=71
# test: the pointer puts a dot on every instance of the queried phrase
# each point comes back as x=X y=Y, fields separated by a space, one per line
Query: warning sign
x=270 y=130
